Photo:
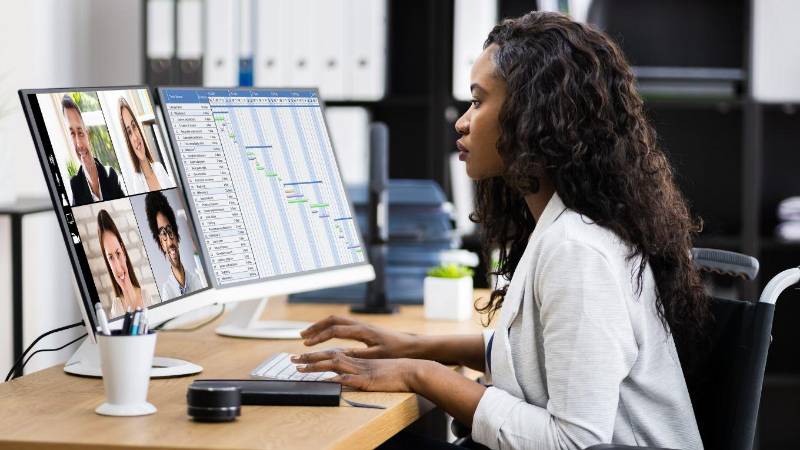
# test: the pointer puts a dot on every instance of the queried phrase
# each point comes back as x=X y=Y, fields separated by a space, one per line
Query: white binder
x=474 y=20
x=349 y=130
x=160 y=29
x=365 y=49
x=189 y=48
x=160 y=41
x=221 y=64
x=330 y=51
x=272 y=46
x=304 y=40
x=776 y=62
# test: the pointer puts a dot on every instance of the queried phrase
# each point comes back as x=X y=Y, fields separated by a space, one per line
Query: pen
x=144 y=325
x=137 y=317
x=126 y=322
x=102 y=320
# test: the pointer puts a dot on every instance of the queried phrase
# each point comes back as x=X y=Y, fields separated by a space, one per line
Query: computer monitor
x=134 y=238
x=266 y=193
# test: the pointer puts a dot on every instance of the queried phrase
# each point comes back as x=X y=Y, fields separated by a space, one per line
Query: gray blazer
x=579 y=356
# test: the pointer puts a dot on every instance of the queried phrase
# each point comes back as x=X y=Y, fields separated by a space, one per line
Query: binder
x=349 y=130
x=160 y=42
x=365 y=64
x=474 y=20
x=775 y=68
x=330 y=53
x=221 y=65
x=189 y=49
x=271 y=52
x=303 y=38
x=246 y=37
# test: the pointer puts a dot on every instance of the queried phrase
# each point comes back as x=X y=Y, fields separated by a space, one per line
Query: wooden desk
x=50 y=409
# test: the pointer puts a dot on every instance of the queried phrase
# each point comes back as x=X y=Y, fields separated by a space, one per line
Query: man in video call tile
x=164 y=227
x=94 y=182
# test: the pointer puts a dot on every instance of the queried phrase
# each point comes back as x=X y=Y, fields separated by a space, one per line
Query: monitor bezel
x=190 y=204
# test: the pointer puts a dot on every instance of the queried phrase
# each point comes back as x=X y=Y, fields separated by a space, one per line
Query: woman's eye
x=475 y=103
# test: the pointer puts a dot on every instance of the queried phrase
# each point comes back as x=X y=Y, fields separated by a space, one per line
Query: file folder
x=365 y=65
x=189 y=49
x=330 y=53
x=349 y=129
x=775 y=68
x=160 y=35
x=303 y=40
x=474 y=20
x=271 y=52
x=246 y=38
x=221 y=62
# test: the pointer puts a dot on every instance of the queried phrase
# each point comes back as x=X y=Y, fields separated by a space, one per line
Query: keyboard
x=279 y=367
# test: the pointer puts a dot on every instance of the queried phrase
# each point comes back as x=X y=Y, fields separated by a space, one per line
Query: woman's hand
x=380 y=343
x=456 y=394
x=384 y=375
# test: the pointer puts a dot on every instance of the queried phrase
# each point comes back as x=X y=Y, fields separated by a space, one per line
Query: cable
x=194 y=328
x=52 y=349
x=30 y=347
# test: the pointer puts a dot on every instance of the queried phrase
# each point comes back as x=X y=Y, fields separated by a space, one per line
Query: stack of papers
x=789 y=217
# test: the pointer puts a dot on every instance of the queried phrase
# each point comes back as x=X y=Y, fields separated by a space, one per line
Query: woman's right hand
x=380 y=343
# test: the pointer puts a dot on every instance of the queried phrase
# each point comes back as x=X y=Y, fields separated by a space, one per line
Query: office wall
x=6 y=337
x=52 y=43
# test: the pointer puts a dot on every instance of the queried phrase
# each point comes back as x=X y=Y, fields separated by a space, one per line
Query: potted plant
x=448 y=293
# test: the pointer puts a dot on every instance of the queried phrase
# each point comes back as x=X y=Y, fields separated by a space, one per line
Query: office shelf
x=773 y=244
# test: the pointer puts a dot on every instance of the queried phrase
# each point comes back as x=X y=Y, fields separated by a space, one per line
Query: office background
x=721 y=81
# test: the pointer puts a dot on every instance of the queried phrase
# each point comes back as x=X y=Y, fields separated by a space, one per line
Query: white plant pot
x=448 y=298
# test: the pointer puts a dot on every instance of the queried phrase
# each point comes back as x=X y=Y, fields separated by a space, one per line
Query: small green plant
x=450 y=271
x=72 y=167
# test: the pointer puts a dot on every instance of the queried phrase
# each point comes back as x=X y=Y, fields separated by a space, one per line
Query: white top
x=95 y=198
x=578 y=356
x=164 y=180
x=117 y=309
x=171 y=288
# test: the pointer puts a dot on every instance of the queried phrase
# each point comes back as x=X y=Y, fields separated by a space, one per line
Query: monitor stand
x=86 y=362
x=243 y=322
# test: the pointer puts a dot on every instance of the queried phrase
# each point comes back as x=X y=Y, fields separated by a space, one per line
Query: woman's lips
x=462 y=151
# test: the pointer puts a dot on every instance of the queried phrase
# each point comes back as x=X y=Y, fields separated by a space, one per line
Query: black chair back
x=725 y=384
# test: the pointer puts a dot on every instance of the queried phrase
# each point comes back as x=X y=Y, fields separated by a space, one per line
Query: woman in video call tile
x=128 y=294
x=149 y=175
x=164 y=227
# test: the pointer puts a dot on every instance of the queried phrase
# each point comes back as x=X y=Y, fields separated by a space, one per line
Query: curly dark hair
x=573 y=114
x=155 y=202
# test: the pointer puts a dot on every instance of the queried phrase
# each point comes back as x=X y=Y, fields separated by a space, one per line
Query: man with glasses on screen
x=94 y=182
x=164 y=227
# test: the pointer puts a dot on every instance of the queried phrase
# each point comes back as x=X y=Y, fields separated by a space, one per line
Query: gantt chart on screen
x=264 y=182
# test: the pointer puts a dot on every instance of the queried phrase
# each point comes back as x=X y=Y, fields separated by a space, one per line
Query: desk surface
x=50 y=409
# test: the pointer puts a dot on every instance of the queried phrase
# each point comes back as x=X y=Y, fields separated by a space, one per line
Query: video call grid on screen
x=262 y=180
x=132 y=237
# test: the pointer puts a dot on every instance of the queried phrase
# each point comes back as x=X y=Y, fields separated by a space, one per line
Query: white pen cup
x=126 y=361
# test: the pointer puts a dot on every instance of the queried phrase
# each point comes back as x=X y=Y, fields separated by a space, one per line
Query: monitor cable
x=15 y=370
x=160 y=327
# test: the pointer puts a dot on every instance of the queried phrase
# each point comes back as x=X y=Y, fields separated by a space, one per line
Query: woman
x=128 y=295
x=148 y=176
x=593 y=234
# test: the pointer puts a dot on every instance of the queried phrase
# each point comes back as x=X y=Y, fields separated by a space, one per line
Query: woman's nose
x=462 y=124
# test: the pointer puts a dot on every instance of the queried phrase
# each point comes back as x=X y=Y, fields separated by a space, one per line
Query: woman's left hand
x=384 y=375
